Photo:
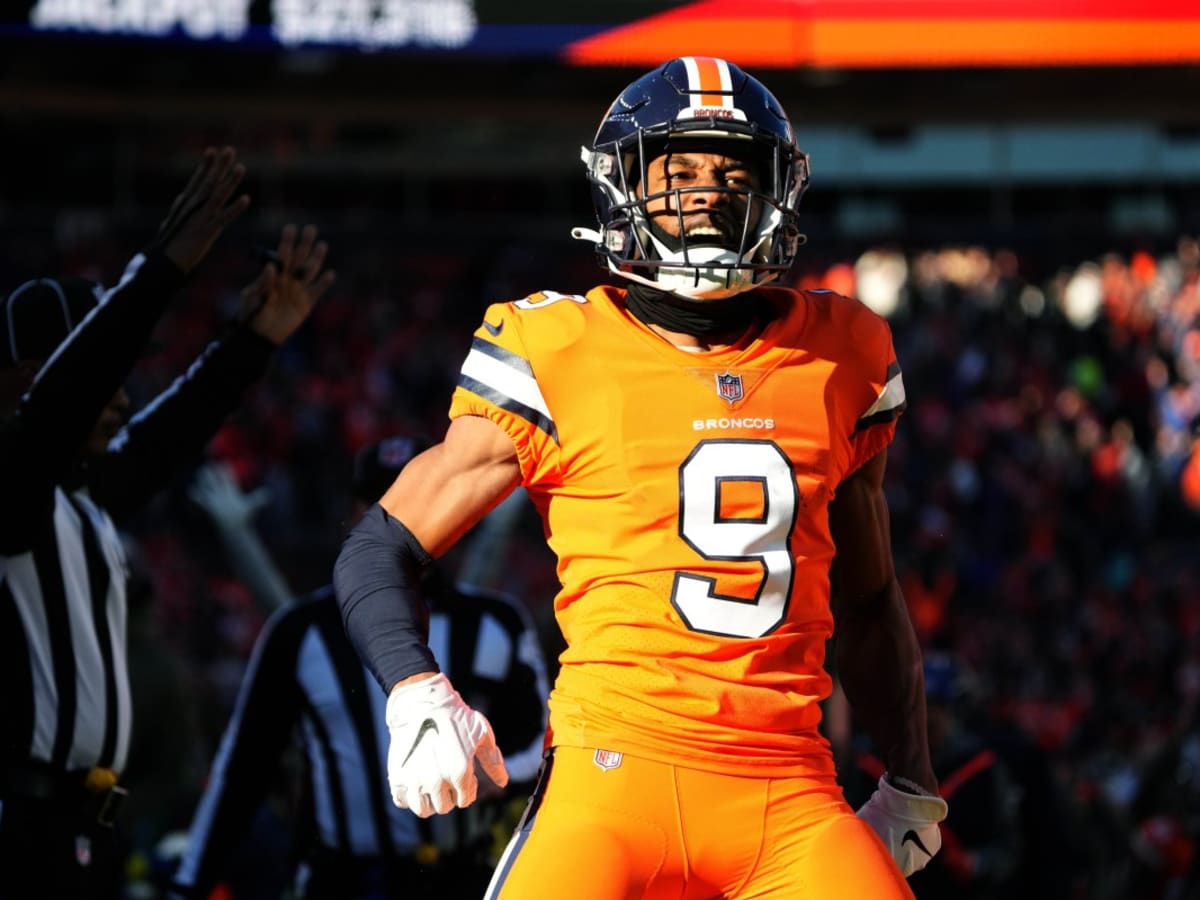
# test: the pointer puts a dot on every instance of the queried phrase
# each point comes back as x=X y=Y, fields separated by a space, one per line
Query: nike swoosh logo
x=909 y=835
x=493 y=330
x=427 y=726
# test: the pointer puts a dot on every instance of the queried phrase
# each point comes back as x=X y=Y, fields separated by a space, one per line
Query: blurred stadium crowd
x=1045 y=489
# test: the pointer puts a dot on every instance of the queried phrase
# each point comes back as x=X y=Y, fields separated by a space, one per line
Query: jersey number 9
x=758 y=534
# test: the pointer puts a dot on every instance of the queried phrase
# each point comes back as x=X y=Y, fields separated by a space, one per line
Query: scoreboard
x=797 y=34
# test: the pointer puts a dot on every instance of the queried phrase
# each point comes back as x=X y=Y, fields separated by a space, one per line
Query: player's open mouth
x=699 y=229
x=708 y=233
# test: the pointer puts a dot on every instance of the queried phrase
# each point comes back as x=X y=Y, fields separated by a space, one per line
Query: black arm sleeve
x=268 y=707
x=377 y=577
x=43 y=439
x=169 y=434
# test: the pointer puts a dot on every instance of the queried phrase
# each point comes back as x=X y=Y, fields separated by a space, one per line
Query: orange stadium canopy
x=864 y=34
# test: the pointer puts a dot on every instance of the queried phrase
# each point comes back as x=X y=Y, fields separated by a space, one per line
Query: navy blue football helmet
x=714 y=105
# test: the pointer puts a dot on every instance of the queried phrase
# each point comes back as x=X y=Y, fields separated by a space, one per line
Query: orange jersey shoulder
x=685 y=496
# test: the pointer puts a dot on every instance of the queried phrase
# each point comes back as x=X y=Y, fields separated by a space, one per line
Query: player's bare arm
x=877 y=653
x=445 y=491
x=879 y=662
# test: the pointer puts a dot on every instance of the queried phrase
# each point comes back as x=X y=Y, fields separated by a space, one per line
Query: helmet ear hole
x=602 y=164
x=705 y=105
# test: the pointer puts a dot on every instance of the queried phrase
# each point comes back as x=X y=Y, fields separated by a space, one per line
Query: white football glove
x=436 y=740
x=907 y=824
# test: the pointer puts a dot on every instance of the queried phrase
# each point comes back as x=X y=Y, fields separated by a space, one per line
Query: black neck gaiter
x=702 y=319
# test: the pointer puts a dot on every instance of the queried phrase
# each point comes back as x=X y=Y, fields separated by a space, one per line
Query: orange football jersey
x=685 y=495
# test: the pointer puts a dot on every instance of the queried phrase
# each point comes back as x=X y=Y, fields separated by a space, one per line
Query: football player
x=704 y=446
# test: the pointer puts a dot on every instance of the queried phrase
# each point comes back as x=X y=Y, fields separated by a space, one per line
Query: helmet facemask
x=764 y=240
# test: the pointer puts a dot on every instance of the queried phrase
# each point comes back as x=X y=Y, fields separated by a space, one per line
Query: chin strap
x=695 y=317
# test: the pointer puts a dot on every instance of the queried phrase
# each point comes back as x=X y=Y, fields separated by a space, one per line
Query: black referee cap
x=377 y=465
x=38 y=315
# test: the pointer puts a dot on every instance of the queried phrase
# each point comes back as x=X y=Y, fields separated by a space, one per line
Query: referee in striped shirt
x=69 y=466
x=305 y=681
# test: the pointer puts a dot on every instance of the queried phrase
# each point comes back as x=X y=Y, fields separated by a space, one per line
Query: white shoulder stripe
x=891 y=398
x=513 y=382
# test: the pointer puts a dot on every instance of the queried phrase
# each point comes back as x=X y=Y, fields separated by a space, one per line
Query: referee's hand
x=289 y=284
x=203 y=209
x=436 y=740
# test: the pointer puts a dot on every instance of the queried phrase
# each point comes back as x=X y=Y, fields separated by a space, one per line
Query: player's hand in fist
x=436 y=740
x=907 y=823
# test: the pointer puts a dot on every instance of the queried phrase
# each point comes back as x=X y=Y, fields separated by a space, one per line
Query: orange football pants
x=653 y=831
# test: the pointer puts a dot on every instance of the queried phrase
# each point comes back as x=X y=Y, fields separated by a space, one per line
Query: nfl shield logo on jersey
x=729 y=387
x=607 y=759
